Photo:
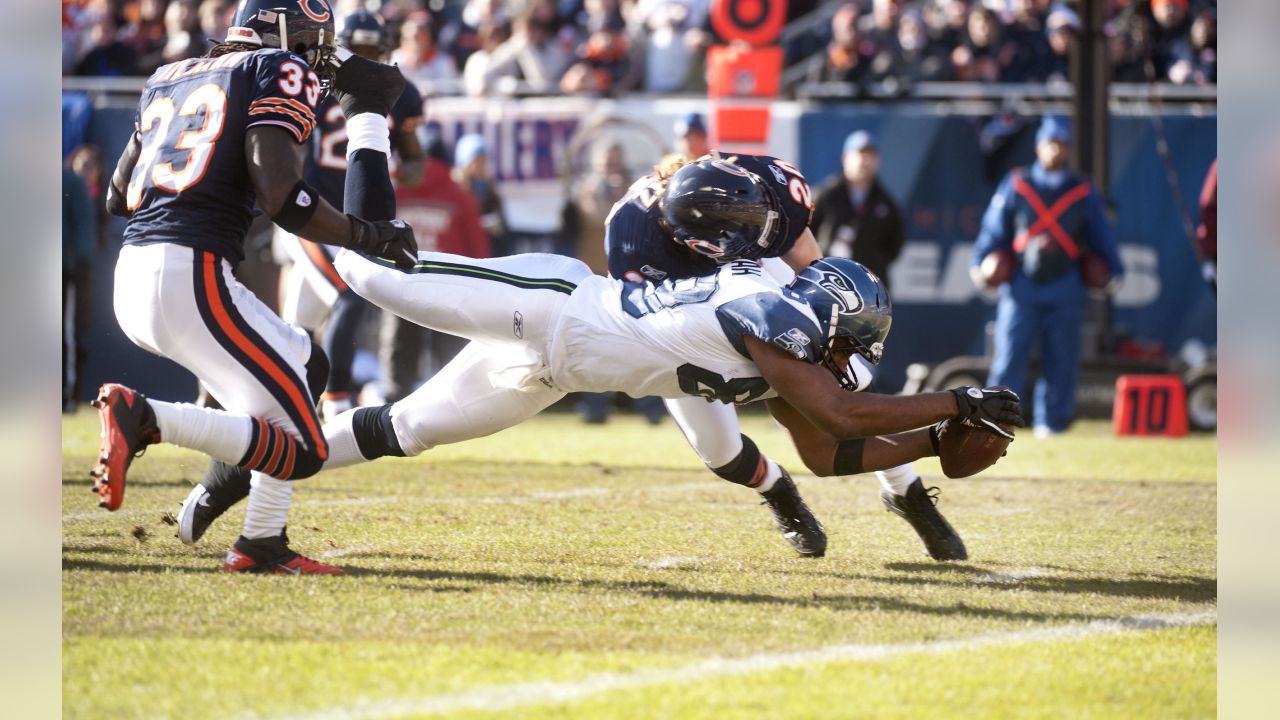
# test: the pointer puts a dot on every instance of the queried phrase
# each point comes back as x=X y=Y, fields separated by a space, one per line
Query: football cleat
x=918 y=508
x=333 y=404
x=798 y=525
x=364 y=86
x=272 y=555
x=195 y=516
x=128 y=427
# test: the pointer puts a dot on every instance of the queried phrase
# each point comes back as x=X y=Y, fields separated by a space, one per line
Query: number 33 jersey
x=679 y=337
x=190 y=185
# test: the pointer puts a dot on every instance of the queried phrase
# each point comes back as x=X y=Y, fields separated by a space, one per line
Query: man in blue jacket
x=1044 y=221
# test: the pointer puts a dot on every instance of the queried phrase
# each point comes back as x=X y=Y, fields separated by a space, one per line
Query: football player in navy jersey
x=662 y=230
x=215 y=136
x=314 y=291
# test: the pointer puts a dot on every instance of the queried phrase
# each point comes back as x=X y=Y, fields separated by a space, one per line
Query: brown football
x=997 y=268
x=966 y=449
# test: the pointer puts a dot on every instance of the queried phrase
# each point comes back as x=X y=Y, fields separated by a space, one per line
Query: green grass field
x=567 y=571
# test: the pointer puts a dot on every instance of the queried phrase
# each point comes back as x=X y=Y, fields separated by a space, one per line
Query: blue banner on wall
x=942 y=171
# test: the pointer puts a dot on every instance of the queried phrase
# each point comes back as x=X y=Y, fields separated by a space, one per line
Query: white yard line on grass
x=508 y=697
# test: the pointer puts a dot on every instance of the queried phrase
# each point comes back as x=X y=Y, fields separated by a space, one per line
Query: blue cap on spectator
x=469 y=147
x=858 y=141
x=1054 y=127
x=690 y=122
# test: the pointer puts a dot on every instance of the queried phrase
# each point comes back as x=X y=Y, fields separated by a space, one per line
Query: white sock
x=771 y=474
x=268 y=509
x=368 y=131
x=341 y=436
x=897 y=480
x=216 y=433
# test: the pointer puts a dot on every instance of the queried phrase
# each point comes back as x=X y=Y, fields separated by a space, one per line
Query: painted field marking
x=511 y=696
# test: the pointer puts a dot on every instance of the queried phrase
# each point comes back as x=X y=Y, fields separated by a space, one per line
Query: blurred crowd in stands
x=608 y=47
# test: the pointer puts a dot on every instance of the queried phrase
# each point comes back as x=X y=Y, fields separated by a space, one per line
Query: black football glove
x=989 y=407
x=388 y=239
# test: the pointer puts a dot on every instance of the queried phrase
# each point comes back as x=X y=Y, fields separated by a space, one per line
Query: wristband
x=302 y=203
x=848 y=460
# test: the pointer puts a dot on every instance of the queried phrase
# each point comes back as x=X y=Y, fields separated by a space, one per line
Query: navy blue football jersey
x=191 y=184
x=327 y=168
x=640 y=248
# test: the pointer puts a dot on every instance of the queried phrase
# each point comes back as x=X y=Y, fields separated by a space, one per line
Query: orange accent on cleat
x=296 y=565
x=302 y=565
x=125 y=434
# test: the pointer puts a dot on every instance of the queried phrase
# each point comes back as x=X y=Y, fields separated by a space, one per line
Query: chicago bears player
x=313 y=290
x=667 y=227
x=215 y=135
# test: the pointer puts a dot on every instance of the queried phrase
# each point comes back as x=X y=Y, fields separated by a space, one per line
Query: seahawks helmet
x=853 y=311
x=303 y=27
x=362 y=28
x=723 y=211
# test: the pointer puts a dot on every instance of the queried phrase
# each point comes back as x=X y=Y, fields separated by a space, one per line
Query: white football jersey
x=678 y=338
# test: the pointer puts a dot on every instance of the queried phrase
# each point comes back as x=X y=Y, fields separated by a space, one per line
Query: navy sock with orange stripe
x=750 y=468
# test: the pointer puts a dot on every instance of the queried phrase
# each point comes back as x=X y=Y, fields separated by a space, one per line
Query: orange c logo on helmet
x=321 y=16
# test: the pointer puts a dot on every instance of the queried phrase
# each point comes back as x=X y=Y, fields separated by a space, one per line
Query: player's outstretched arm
x=275 y=164
x=826 y=455
x=814 y=392
x=118 y=188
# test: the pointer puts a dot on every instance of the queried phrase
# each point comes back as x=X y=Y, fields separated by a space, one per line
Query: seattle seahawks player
x=314 y=290
x=544 y=325
x=214 y=135
x=662 y=230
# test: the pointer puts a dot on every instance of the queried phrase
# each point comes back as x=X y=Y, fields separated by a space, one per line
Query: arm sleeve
x=1101 y=237
x=285 y=92
x=997 y=223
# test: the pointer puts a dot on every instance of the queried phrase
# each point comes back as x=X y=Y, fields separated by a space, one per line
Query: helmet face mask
x=853 y=310
x=722 y=211
x=303 y=27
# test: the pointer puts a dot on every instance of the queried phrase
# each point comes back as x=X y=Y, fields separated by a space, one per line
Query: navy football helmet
x=723 y=211
x=362 y=28
x=853 y=311
x=303 y=27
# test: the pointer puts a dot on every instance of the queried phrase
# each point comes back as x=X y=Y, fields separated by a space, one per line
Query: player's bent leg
x=713 y=432
x=470 y=398
x=515 y=298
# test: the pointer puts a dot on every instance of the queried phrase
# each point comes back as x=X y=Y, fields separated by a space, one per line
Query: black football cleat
x=128 y=427
x=223 y=486
x=798 y=525
x=364 y=86
x=918 y=508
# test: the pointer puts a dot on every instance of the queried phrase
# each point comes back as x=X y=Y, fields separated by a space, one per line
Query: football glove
x=989 y=407
x=388 y=239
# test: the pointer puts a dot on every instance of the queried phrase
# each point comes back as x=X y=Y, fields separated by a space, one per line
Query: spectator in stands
x=947 y=21
x=215 y=17
x=880 y=28
x=108 y=56
x=1197 y=61
x=536 y=55
x=848 y=57
x=476 y=73
x=472 y=172
x=421 y=61
x=1128 y=45
x=671 y=38
x=603 y=66
x=1040 y=223
x=917 y=58
x=183 y=39
x=1063 y=26
x=1169 y=35
x=854 y=216
x=977 y=57
x=145 y=35
x=79 y=225
x=445 y=218
x=691 y=136
x=1026 y=44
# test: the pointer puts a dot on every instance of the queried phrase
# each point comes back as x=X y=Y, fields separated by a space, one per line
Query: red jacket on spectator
x=444 y=216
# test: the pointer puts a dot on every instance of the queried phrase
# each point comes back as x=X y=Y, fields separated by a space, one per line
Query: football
x=996 y=268
x=967 y=449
